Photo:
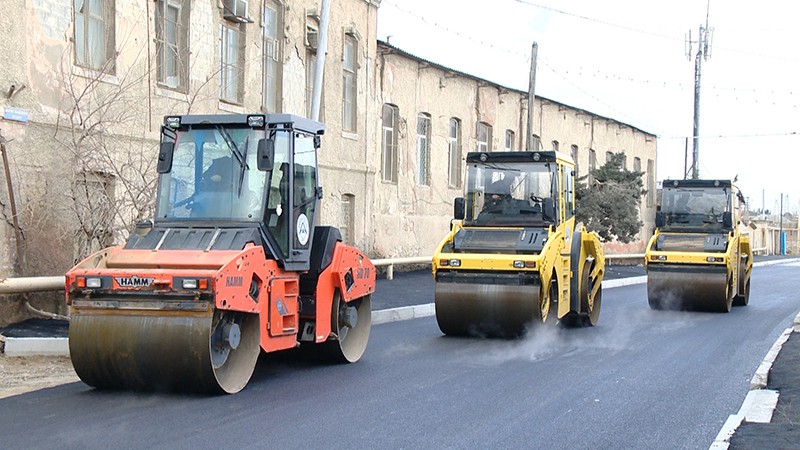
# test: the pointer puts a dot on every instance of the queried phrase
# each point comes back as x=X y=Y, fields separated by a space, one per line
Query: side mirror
x=458 y=208
x=165 y=156
x=266 y=154
x=660 y=222
x=548 y=209
x=727 y=219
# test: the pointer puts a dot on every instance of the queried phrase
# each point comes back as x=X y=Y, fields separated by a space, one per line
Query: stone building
x=431 y=116
x=84 y=86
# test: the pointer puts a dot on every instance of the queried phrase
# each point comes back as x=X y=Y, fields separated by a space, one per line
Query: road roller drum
x=501 y=310
x=689 y=288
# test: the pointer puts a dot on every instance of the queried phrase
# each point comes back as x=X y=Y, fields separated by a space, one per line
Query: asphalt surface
x=416 y=287
x=640 y=379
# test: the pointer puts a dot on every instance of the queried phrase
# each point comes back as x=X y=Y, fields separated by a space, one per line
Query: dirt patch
x=30 y=373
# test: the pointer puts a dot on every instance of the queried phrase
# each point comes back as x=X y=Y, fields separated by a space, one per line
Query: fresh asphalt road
x=640 y=379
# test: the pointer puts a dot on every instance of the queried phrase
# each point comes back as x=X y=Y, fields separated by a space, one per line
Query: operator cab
x=225 y=180
x=703 y=206
x=518 y=189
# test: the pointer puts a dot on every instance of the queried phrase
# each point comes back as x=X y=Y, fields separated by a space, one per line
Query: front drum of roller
x=467 y=309
x=155 y=350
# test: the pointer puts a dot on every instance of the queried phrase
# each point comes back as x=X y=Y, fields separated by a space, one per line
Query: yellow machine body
x=698 y=259
x=509 y=263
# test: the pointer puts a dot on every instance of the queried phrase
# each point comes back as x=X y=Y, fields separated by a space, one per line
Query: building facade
x=84 y=86
x=431 y=116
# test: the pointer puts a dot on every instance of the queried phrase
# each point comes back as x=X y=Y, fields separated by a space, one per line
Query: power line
x=580 y=89
x=649 y=33
x=738 y=136
x=598 y=74
x=456 y=33
x=592 y=19
x=581 y=69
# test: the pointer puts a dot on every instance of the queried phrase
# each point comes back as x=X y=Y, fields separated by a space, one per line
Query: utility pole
x=780 y=229
x=703 y=53
x=685 y=157
x=319 y=69
x=532 y=141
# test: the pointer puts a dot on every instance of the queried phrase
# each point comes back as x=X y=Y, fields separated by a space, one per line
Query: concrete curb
x=402 y=313
x=775 y=262
x=620 y=282
x=36 y=346
x=759 y=380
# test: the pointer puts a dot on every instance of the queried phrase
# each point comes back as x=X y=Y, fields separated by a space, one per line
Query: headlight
x=255 y=121
x=519 y=264
x=173 y=122
x=193 y=283
x=94 y=283
x=455 y=263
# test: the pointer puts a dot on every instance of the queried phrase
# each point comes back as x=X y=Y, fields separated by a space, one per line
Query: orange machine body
x=245 y=281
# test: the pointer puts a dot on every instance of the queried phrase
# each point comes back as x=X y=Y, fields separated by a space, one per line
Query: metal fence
x=24 y=285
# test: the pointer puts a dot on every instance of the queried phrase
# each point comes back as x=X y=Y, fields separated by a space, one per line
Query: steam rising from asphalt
x=615 y=333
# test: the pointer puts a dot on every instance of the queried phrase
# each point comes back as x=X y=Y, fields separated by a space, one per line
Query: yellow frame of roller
x=461 y=308
x=682 y=275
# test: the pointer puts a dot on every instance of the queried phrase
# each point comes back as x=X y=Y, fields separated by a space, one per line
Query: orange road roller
x=231 y=265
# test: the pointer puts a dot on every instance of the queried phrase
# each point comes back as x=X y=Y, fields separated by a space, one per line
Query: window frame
x=454 y=152
x=483 y=145
x=574 y=153
x=350 y=83
x=510 y=136
x=226 y=30
x=179 y=49
x=84 y=42
x=389 y=148
x=423 y=149
x=272 y=58
x=651 y=183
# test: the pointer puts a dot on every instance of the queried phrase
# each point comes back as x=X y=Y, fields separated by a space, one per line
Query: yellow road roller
x=697 y=258
x=514 y=256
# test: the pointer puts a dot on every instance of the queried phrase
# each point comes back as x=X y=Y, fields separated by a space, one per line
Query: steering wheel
x=188 y=201
x=536 y=199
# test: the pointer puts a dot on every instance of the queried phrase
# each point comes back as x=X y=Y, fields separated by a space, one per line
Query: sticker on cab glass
x=302 y=229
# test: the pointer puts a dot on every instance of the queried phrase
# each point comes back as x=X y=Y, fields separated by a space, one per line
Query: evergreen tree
x=608 y=200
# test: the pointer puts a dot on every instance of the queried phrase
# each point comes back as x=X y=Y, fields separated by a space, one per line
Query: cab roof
x=517 y=157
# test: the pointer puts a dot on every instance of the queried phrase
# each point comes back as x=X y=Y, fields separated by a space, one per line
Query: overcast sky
x=626 y=59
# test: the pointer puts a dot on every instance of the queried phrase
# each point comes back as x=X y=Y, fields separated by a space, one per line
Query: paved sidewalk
x=783 y=430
